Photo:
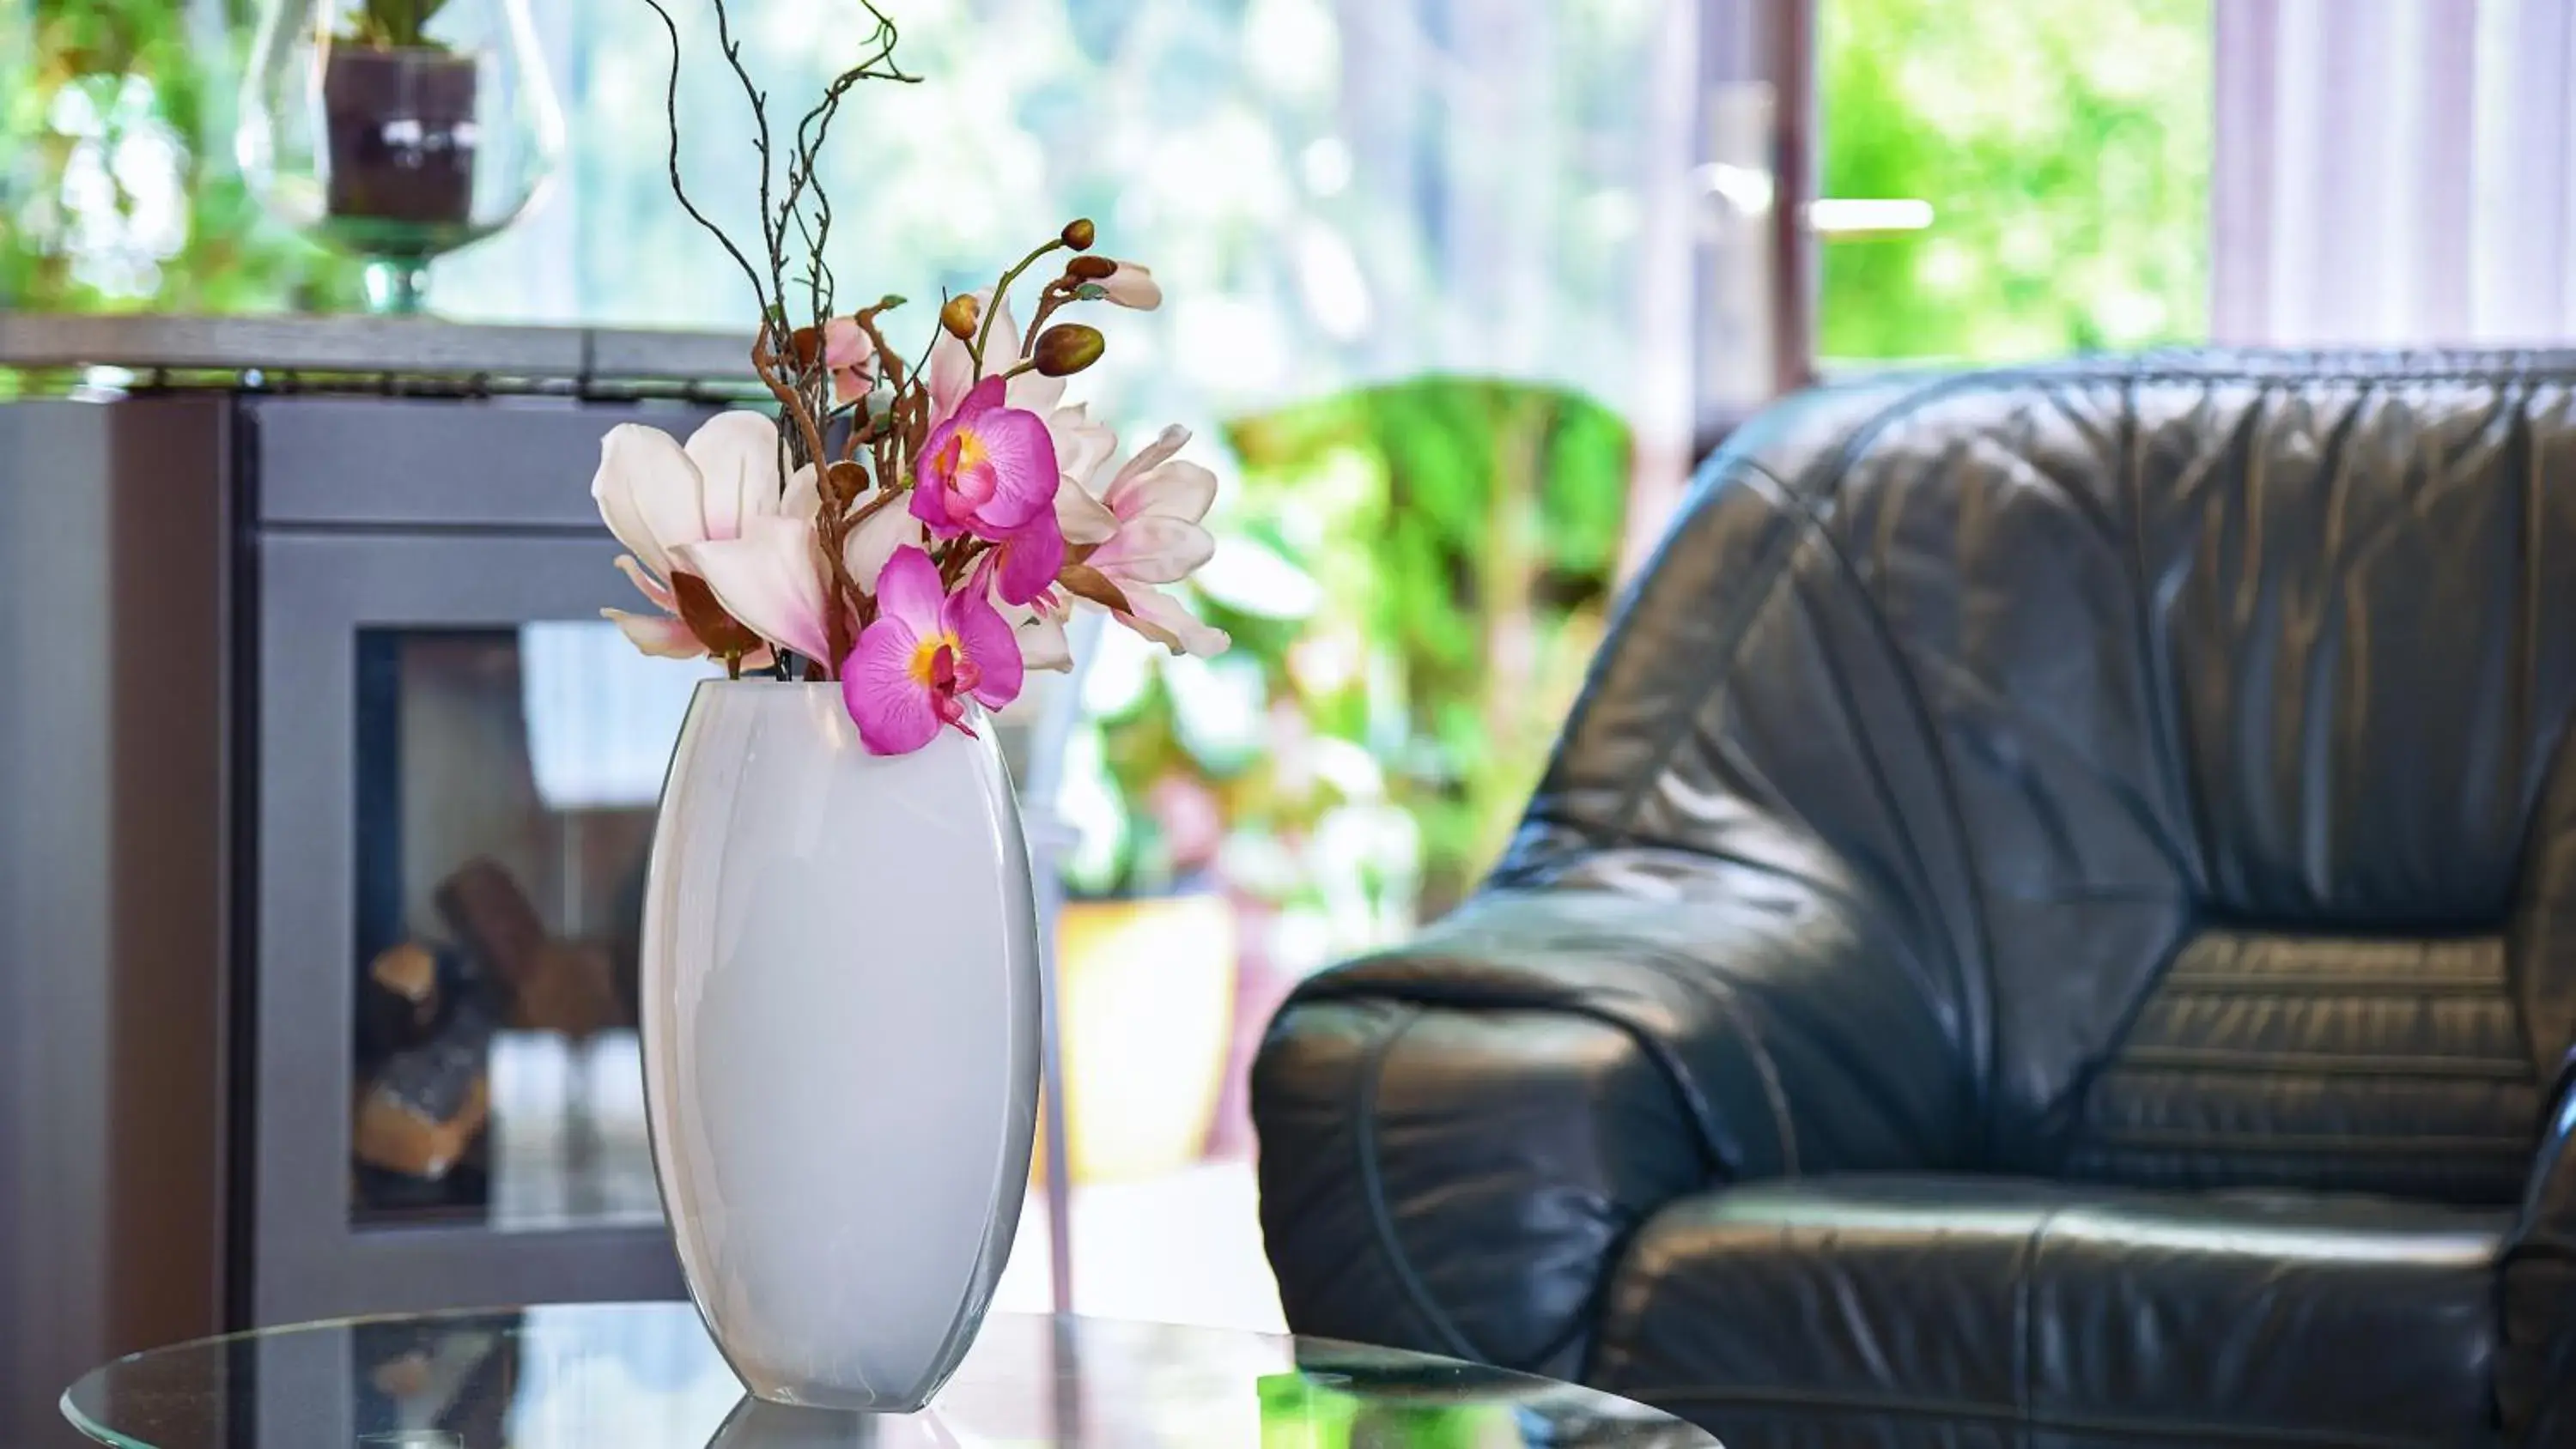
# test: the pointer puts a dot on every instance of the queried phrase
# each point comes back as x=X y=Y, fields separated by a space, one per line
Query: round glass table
x=645 y=1376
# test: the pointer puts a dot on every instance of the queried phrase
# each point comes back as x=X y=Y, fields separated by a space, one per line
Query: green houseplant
x=399 y=108
x=1420 y=572
x=1465 y=532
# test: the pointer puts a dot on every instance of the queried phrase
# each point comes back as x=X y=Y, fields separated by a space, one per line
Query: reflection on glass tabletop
x=645 y=1376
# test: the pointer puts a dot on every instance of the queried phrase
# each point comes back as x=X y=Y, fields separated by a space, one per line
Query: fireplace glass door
x=506 y=780
x=458 y=766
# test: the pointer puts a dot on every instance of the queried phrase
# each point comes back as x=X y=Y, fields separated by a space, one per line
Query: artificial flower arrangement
x=920 y=533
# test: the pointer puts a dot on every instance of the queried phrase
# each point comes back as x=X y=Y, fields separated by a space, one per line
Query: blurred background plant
x=396 y=23
x=1415 y=574
x=117 y=187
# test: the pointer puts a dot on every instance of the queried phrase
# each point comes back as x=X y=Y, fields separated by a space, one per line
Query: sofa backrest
x=2201 y=720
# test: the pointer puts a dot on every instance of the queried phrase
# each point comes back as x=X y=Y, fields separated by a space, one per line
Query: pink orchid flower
x=927 y=654
x=1158 y=502
x=991 y=470
x=1081 y=445
x=847 y=353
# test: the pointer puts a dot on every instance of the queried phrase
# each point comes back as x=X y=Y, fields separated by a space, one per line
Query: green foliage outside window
x=2065 y=151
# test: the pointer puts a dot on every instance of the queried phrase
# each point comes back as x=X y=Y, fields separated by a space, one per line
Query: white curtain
x=2394 y=172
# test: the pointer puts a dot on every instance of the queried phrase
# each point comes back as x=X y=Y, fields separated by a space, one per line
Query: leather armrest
x=1459 y=1136
x=2536 y=1375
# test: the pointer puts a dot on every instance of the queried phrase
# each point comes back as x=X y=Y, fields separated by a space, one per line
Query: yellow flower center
x=925 y=665
x=963 y=452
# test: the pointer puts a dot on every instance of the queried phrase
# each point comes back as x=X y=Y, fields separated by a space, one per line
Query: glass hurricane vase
x=397 y=130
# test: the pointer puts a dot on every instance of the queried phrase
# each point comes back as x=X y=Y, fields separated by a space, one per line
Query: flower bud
x=959 y=317
x=1067 y=348
x=1089 y=269
x=1078 y=234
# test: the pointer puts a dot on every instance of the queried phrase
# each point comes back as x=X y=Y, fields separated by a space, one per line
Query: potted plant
x=840 y=994
x=399 y=109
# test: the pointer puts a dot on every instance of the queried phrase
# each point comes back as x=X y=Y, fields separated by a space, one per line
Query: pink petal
x=874 y=541
x=1028 y=561
x=986 y=396
x=1081 y=448
x=1151 y=482
x=1080 y=517
x=801 y=499
x=647 y=585
x=894 y=711
x=1133 y=285
x=849 y=355
x=1081 y=445
x=659 y=635
x=845 y=344
x=986 y=640
x=1043 y=644
x=1022 y=457
x=949 y=376
x=908 y=588
x=929 y=490
x=1165 y=620
x=1154 y=550
x=770 y=579
x=647 y=491
x=737 y=456
x=1030 y=391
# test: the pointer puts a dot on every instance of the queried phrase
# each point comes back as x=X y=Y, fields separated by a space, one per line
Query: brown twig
x=1055 y=295
x=866 y=317
x=829 y=521
x=802 y=384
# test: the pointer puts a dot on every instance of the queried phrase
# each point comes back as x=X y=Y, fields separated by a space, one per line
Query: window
x=1421 y=258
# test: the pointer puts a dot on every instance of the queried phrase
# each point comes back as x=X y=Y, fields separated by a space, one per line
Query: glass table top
x=645 y=1376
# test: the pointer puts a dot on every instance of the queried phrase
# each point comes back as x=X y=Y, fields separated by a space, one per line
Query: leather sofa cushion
x=2231 y=1318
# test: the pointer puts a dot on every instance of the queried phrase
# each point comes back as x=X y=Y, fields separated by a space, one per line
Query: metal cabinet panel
x=482 y=464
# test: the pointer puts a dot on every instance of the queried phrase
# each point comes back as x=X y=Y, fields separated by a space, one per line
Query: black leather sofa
x=2054 y=917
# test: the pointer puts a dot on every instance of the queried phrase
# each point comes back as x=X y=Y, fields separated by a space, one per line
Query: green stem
x=993 y=309
x=1047 y=303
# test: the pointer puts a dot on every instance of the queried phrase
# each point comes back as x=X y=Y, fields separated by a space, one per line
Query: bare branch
x=773 y=230
x=794 y=361
x=671 y=107
x=814 y=129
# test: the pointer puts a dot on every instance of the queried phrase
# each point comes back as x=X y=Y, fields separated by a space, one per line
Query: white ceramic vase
x=841 y=1035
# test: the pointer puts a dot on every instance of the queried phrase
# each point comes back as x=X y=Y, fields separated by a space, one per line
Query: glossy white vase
x=841 y=1035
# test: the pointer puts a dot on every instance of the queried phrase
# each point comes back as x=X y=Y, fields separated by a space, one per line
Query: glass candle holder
x=397 y=130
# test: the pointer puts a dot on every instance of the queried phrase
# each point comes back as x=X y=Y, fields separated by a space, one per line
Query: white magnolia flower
x=663 y=499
